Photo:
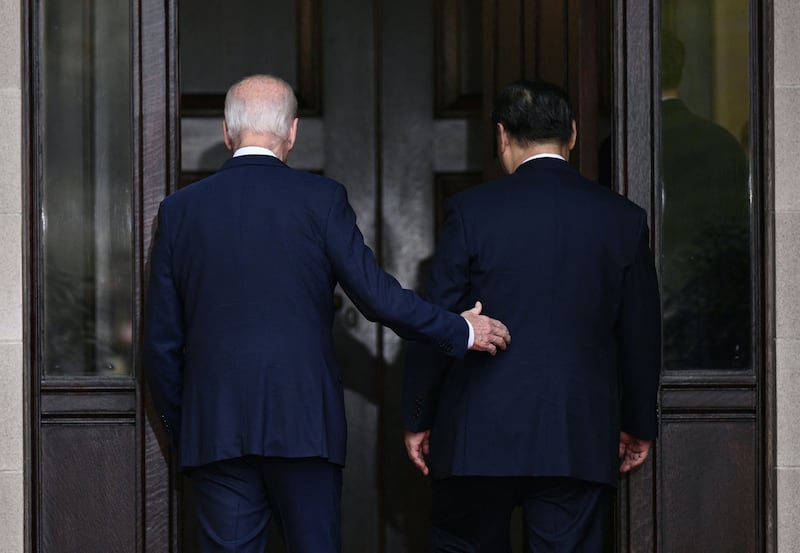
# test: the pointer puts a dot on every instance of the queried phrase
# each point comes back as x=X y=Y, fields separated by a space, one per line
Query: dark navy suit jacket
x=238 y=351
x=566 y=264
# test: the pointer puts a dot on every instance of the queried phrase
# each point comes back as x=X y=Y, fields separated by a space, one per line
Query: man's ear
x=574 y=138
x=502 y=139
x=226 y=137
x=292 y=135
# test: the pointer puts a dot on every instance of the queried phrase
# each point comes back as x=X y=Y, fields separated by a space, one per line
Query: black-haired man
x=572 y=402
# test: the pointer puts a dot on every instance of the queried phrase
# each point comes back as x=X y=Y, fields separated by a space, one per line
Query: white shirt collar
x=253 y=151
x=537 y=156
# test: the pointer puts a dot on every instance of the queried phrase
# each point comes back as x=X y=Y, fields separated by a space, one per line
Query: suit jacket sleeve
x=378 y=295
x=639 y=342
x=162 y=356
x=449 y=287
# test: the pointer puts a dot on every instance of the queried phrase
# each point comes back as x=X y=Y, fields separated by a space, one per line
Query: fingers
x=633 y=452
x=419 y=462
x=490 y=334
x=631 y=461
x=499 y=336
x=499 y=330
x=418 y=445
x=490 y=349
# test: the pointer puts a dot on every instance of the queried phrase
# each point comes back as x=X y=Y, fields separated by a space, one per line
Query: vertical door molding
x=763 y=131
x=636 y=167
x=157 y=166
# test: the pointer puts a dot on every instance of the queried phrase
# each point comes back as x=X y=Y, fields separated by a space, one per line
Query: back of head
x=534 y=112
x=673 y=56
x=260 y=104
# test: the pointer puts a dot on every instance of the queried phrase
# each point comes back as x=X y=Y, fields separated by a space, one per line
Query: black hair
x=534 y=111
x=673 y=55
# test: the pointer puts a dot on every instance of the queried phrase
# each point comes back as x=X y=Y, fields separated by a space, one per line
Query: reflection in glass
x=86 y=213
x=705 y=188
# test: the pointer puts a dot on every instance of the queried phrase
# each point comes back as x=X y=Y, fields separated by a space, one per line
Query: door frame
x=156 y=173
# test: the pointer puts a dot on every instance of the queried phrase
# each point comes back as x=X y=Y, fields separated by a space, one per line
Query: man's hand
x=490 y=334
x=417 y=446
x=632 y=451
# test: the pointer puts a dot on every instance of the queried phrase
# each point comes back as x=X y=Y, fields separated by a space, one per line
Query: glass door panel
x=86 y=212
x=706 y=185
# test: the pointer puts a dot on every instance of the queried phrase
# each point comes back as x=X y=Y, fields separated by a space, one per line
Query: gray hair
x=261 y=104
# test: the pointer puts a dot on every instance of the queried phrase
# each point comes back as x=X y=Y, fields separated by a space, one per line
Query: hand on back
x=490 y=334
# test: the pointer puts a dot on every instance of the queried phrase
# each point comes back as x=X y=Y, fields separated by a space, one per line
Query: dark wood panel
x=582 y=83
x=634 y=157
x=546 y=37
x=637 y=509
x=309 y=54
x=308 y=87
x=88 y=488
x=490 y=165
x=635 y=140
x=159 y=167
x=763 y=131
x=708 y=493
x=455 y=51
x=502 y=64
x=709 y=399
x=552 y=41
x=80 y=402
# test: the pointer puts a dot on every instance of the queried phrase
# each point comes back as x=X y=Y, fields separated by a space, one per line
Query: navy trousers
x=472 y=514
x=236 y=498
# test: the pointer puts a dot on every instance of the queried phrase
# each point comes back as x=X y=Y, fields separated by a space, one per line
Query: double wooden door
x=394 y=102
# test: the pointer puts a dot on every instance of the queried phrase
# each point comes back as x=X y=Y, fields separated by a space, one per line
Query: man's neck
x=270 y=142
x=520 y=155
x=253 y=150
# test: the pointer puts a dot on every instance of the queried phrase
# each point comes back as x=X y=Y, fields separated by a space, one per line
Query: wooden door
x=373 y=116
x=100 y=139
x=395 y=98
x=703 y=488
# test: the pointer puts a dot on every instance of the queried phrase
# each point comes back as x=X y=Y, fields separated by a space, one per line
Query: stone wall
x=11 y=369
x=787 y=285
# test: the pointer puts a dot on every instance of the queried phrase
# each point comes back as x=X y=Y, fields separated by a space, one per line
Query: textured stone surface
x=11 y=277
x=787 y=42
x=788 y=406
x=787 y=148
x=11 y=432
x=12 y=522
x=10 y=44
x=10 y=150
x=788 y=510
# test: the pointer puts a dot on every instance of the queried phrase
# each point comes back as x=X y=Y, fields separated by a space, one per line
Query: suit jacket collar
x=544 y=163
x=253 y=160
x=674 y=105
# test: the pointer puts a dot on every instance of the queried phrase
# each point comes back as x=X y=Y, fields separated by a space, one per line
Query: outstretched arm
x=380 y=297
